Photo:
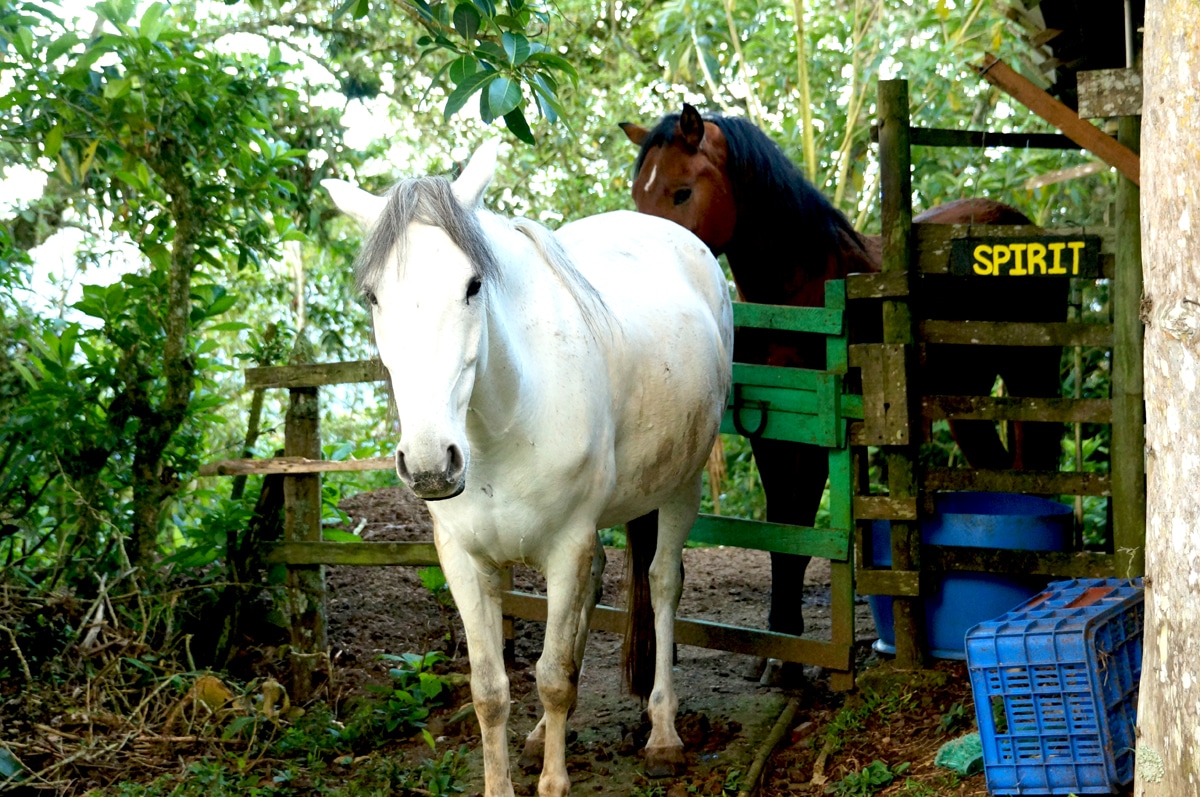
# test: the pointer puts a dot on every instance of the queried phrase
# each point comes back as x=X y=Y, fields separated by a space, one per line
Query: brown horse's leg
x=1035 y=373
x=793 y=478
x=968 y=371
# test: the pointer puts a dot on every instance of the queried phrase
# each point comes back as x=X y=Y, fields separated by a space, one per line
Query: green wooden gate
x=801 y=406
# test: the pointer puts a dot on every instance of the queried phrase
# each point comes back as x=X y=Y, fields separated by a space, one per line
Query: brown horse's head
x=681 y=176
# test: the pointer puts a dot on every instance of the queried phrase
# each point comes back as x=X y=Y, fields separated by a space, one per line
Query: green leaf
x=360 y=8
x=60 y=46
x=28 y=376
x=130 y=178
x=458 y=98
x=514 y=120
x=336 y=535
x=516 y=47
x=10 y=767
x=486 y=7
x=229 y=326
x=466 y=22
x=503 y=95
x=491 y=52
x=461 y=68
x=151 y=24
x=115 y=89
x=556 y=62
x=24 y=43
x=546 y=98
x=221 y=305
x=53 y=142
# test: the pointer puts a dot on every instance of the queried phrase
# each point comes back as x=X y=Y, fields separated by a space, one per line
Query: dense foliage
x=183 y=152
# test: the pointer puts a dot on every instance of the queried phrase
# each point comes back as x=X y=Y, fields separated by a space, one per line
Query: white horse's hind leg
x=477 y=595
x=535 y=743
x=568 y=591
x=664 y=749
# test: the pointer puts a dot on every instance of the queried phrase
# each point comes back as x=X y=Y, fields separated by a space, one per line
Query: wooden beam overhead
x=1078 y=130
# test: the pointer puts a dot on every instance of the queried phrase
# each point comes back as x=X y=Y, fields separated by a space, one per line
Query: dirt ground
x=725 y=714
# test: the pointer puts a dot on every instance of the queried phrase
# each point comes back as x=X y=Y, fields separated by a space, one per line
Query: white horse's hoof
x=665 y=762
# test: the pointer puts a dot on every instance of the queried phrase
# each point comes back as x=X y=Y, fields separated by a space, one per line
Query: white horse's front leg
x=664 y=749
x=477 y=594
x=535 y=742
x=569 y=591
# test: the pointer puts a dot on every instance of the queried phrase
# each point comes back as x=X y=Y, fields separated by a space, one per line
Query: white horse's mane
x=430 y=200
x=596 y=313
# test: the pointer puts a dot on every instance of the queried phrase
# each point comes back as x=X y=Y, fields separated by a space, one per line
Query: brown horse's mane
x=779 y=210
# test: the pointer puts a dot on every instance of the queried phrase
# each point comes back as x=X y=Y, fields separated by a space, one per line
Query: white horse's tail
x=637 y=652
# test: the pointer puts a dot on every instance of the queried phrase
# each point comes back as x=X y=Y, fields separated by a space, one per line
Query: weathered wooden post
x=304 y=592
x=896 y=184
x=1128 y=405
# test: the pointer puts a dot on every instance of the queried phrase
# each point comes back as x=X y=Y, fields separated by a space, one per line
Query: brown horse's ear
x=636 y=133
x=691 y=127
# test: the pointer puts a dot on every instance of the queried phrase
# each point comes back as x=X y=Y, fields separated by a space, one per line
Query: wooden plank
x=1105 y=93
x=1057 y=564
x=1056 y=113
x=763 y=536
x=885 y=403
x=1064 y=175
x=293 y=466
x=898 y=583
x=884 y=507
x=1008 y=481
x=895 y=178
x=935 y=241
x=421 y=554
x=315 y=374
x=701 y=633
x=977 y=139
x=1128 y=453
x=819 y=320
x=304 y=590
x=892 y=285
x=774 y=376
x=986 y=408
x=1011 y=333
x=937 y=262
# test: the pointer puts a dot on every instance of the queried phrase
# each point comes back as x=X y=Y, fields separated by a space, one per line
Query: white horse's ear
x=362 y=206
x=474 y=180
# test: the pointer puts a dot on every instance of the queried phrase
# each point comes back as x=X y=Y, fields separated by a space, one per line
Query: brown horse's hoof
x=664 y=762
x=533 y=754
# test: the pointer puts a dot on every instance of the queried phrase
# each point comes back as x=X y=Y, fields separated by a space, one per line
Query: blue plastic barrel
x=962 y=600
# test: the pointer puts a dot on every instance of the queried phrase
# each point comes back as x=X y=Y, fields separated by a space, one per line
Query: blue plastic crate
x=1055 y=682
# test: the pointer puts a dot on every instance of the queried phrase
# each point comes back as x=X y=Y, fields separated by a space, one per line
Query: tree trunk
x=154 y=486
x=1168 y=750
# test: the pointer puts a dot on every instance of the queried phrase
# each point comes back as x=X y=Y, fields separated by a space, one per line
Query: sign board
x=1036 y=256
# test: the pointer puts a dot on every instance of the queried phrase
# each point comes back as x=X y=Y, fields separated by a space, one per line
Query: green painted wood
x=775 y=376
x=808 y=429
x=779 y=537
x=821 y=320
x=852 y=406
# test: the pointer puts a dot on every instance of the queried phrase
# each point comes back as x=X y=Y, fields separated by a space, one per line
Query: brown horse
x=731 y=185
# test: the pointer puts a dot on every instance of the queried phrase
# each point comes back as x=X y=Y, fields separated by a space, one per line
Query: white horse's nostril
x=455 y=462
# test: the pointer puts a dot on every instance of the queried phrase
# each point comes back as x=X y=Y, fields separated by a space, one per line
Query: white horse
x=547 y=384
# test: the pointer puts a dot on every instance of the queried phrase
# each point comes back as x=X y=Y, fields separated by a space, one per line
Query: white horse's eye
x=473 y=288
x=370 y=297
